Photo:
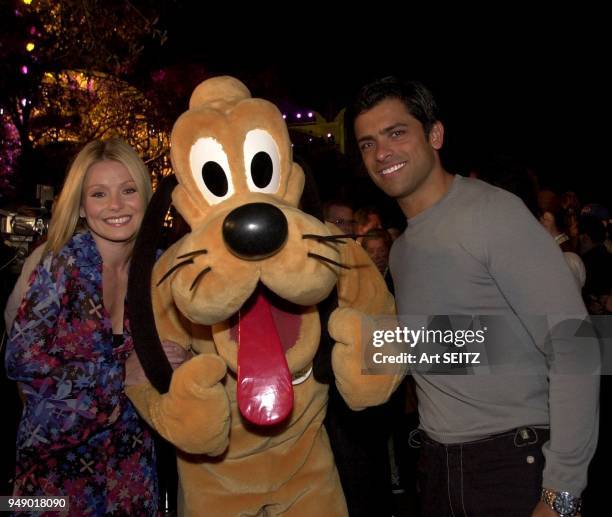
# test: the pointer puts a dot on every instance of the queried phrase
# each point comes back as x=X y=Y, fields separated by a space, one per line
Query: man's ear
x=436 y=135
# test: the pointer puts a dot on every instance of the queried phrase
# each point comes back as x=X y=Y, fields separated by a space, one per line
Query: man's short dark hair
x=419 y=101
x=335 y=202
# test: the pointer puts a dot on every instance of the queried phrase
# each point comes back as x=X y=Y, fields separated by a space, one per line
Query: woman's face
x=111 y=203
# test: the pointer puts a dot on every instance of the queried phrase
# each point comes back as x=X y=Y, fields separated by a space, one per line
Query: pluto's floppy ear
x=310 y=202
x=142 y=320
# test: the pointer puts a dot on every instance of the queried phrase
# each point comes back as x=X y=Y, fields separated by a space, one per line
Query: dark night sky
x=531 y=91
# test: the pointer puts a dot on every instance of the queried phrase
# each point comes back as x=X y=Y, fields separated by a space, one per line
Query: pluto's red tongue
x=265 y=393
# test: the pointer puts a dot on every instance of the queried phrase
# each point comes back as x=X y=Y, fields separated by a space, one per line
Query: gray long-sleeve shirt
x=479 y=251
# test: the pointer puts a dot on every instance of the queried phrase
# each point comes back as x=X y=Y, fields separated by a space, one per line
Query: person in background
x=547 y=199
x=377 y=244
x=367 y=218
x=598 y=263
x=603 y=214
x=554 y=221
x=79 y=435
x=571 y=204
x=340 y=213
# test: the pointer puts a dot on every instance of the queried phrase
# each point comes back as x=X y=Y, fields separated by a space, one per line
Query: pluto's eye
x=210 y=170
x=262 y=169
x=262 y=162
x=215 y=179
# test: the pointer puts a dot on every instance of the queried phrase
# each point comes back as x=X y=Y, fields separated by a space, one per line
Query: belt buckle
x=525 y=436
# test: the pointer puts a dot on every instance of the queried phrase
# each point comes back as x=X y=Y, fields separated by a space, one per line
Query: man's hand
x=543 y=510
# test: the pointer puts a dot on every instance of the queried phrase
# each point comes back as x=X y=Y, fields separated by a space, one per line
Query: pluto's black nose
x=255 y=231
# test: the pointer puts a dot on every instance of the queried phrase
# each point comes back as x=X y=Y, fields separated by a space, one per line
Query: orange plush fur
x=228 y=466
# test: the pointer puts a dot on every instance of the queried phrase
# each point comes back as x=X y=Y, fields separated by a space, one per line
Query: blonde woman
x=79 y=436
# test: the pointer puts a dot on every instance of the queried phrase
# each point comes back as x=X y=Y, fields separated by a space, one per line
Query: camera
x=25 y=226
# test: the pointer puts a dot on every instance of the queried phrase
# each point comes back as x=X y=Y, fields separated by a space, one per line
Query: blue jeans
x=499 y=476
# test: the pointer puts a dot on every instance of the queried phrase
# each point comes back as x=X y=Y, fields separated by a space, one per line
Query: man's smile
x=392 y=168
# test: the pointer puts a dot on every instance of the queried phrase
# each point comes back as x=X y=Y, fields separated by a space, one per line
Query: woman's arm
x=69 y=393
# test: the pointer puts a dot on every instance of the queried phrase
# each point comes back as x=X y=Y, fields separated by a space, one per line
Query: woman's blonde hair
x=65 y=216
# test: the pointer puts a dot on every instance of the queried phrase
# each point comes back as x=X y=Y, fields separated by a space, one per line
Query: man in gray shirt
x=514 y=437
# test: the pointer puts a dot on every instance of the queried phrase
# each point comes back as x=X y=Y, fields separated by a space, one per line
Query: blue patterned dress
x=79 y=435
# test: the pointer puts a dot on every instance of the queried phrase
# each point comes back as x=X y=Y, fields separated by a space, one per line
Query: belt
x=519 y=437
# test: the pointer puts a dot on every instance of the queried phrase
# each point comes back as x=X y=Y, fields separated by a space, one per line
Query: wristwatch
x=564 y=503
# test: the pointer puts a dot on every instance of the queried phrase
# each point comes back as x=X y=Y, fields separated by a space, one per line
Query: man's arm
x=531 y=273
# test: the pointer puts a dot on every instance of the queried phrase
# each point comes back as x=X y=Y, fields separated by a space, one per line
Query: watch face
x=565 y=504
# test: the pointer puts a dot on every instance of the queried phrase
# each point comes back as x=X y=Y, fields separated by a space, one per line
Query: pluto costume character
x=241 y=290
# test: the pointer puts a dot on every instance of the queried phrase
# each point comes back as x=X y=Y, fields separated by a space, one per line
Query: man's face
x=372 y=223
x=398 y=156
x=379 y=253
x=342 y=217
